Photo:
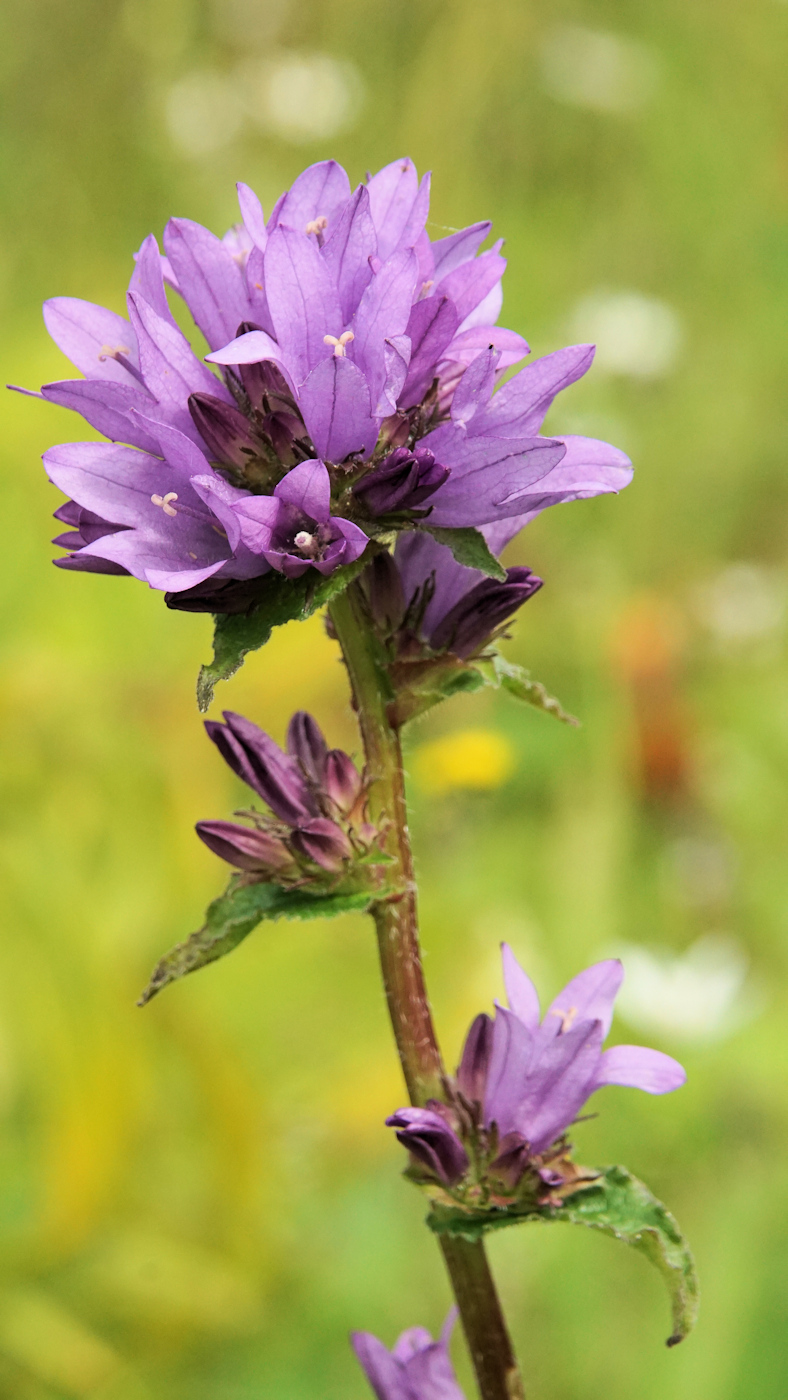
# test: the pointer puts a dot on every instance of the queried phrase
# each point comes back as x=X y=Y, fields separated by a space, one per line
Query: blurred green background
x=200 y=1199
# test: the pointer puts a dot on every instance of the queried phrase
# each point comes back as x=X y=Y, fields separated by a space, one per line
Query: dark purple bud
x=265 y=385
x=229 y=597
x=469 y=624
x=475 y=1062
x=342 y=780
x=432 y=1141
x=282 y=429
x=385 y=593
x=224 y=430
x=512 y=1160
x=305 y=743
x=86 y=526
x=252 y=850
x=323 y=842
x=258 y=761
x=403 y=481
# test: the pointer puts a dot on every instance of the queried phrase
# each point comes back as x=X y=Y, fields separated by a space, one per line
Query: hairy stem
x=406 y=993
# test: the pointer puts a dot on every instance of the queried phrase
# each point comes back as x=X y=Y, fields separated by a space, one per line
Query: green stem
x=396 y=922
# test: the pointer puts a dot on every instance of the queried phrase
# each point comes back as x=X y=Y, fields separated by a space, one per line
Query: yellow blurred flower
x=479 y=759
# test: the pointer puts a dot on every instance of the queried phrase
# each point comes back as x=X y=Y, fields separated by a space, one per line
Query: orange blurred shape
x=647 y=646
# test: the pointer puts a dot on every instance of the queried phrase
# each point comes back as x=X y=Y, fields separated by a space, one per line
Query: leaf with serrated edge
x=504 y=675
x=618 y=1205
x=234 y=915
x=283 y=600
x=470 y=548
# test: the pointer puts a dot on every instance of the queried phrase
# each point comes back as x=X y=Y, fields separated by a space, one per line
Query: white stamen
x=339 y=343
x=425 y=288
x=567 y=1017
x=164 y=502
x=317 y=225
x=304 y=540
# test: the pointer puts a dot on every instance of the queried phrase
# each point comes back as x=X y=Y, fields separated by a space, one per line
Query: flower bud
x=258 y=761
x=342 y=781
x=402 y=481
x=512 y=1160
x=252 y=850
x=425 y=1133
x=323 y=842
x=305 y=743
x=224 y=430
x=469 y=624
x=475 y=1062
x=383 y=584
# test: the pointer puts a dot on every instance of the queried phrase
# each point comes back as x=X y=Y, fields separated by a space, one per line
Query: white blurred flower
x=634 y=334
x=203 y=112
x=697 y=996
x=303 y=97
x=743 y=603
x=588 y=68
x=249 y=22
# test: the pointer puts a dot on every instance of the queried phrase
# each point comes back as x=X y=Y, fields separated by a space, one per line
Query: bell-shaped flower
x=294 y=530
x=417 y=1367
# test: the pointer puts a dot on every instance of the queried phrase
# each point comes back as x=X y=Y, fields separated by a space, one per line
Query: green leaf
x=469 y=547
x=234 y=915
x=618 y=1205
x=517 y=682
x=281 y=600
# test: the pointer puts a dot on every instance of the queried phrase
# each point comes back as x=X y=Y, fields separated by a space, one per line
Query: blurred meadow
x=200 y=1199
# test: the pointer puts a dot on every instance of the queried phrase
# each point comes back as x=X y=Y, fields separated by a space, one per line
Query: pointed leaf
x=234 y=915
x=281 y=600
x=469 y=547
x=617 y=1204
x=519 y=684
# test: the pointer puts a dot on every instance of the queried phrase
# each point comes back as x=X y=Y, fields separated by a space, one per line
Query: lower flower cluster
x=500 y=1137
x=318 y=829
x=416 y=1368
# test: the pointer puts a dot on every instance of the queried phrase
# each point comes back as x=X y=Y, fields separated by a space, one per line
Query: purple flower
x=293 y=529
x=523 y=1081
x=338 y=332
x=417 y=1368
x=316 y=794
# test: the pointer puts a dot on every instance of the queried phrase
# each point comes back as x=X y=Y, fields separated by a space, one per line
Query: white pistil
x=164 y=502
x=317 y=225
x=339 y=343
x=304 y=541
x=111 y=352
x=567 y=1017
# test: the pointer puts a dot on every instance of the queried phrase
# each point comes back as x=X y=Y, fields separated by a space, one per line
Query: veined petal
x=106 y=405
x=170 y=368
x=334 y=402
x=488 y=483
x=520 y=405
x=91 y=336
x=147 y=279
x=210 y=279
x=302 y=300
x=432 y=325
x=521 y=993
x=307 y=486
x=472 y=281
x=320 y=191
x=399 y=206
x=252 y=215
x=467 y=344
x=348 y=249
x=560 y=1080
x=475 y=387
x=384 y=1374
x=637 y=1067
x=509 y=1071
x=588 y=997
x=383 y=312
x=450 y=252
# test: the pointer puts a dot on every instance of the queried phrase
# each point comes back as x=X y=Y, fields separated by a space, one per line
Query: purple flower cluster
x=316 y=794
x=521 y=1083
x=417 y=1368
x=350 y=392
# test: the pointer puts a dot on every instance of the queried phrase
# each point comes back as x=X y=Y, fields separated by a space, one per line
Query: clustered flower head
x=417 y=1368
x=348 y=394
x=500 y=1137
x=317 y=797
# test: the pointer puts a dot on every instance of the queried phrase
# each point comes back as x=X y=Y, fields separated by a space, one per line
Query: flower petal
x=320 y=191
x=302 y=300
x=588 y=997
x=637 y=1067
x=348 y=249
x=521 y=993
x=307 y=486
x=89 y=335
x=509 y=1072
x=210 y=279
x=334 y=402
x=560 y=1079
